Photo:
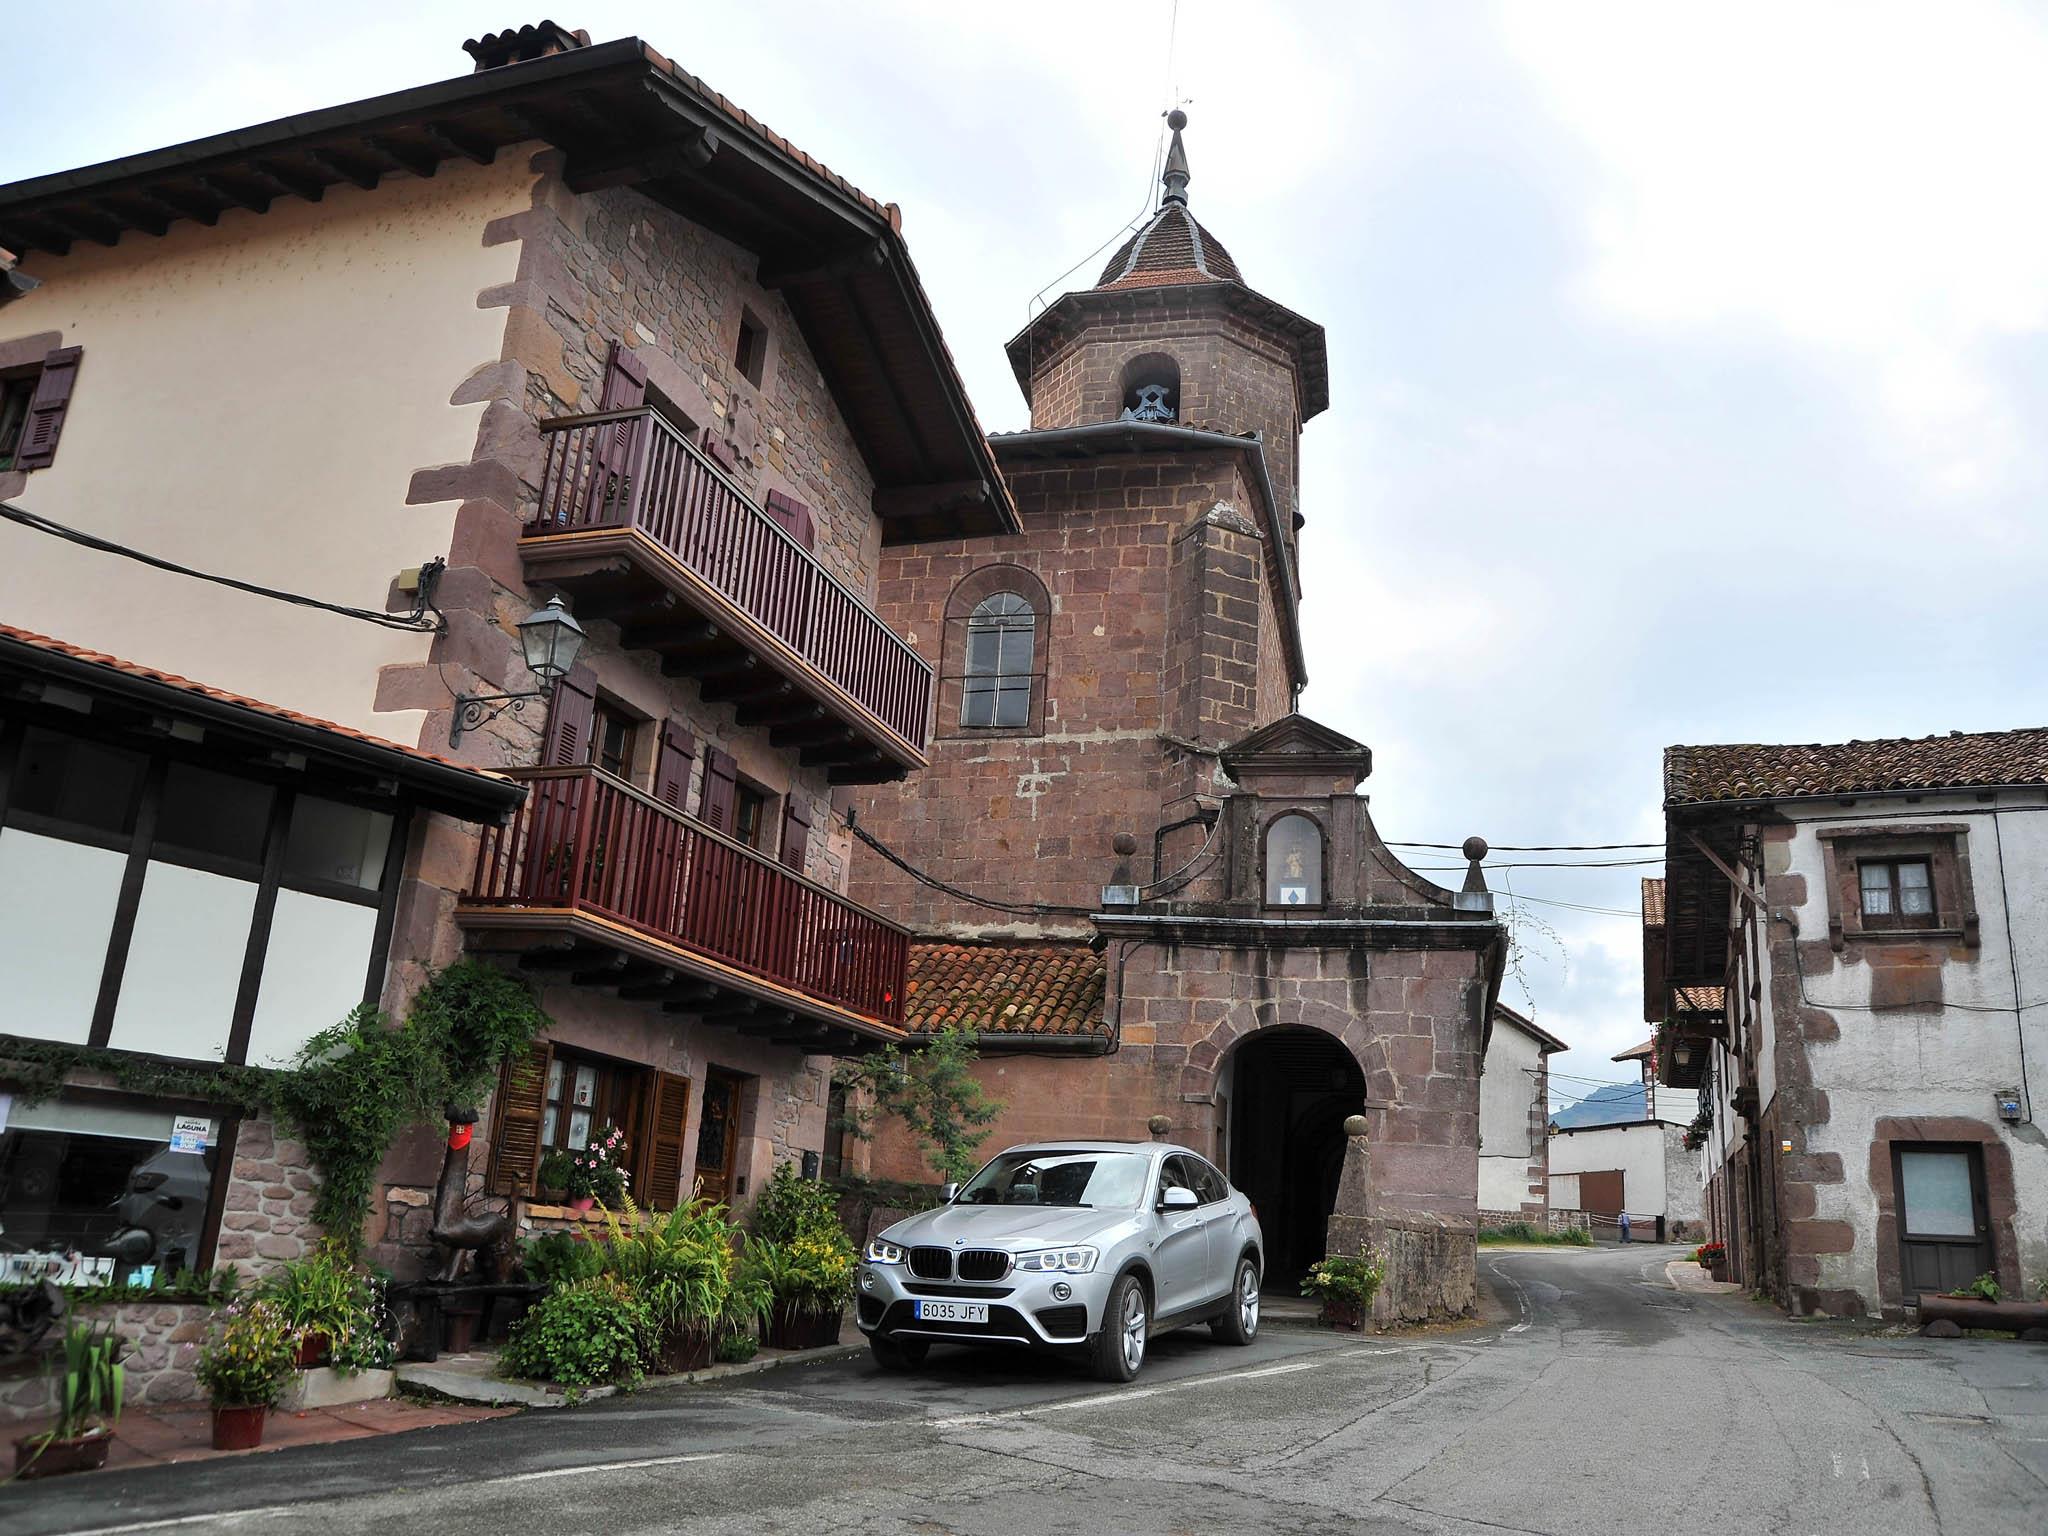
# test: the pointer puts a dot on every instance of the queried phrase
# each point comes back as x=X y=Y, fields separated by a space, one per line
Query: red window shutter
x=47 y=408
x=659 y=1179
x=672 y=768
x=572 y=711
x=795 y=518
x=721 y=451
x=796 y=831
x=515 y=1135
x=625 y=380
x=721 y=786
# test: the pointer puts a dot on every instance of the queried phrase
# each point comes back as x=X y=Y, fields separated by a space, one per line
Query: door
x=718 y=1136
x=1600 y=1193
x=1944 y=1220
x=1219 y=1231
x=1180 y=1244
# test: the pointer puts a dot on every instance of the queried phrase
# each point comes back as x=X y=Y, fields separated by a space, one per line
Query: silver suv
x=1074 y=1247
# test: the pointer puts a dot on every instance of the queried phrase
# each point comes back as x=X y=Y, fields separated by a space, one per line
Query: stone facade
x=164 y=1339
x=267 y=1218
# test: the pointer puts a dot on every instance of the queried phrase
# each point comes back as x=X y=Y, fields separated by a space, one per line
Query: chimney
x=520 y=45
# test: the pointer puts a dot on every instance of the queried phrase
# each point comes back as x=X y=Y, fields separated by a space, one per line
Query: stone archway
x=1291 y=1089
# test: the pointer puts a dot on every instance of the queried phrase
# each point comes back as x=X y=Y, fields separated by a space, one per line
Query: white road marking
x=260 y=1512
x=1107 y=1399
x=1521 y=1297
x=596 y=1466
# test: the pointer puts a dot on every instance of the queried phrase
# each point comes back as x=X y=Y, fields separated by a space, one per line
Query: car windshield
x=1105 y=1180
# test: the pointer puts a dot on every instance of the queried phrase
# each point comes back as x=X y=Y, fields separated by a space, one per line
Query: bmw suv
x=1083 y=1248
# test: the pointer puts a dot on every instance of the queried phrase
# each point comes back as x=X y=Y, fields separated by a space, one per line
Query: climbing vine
x=350 y=1091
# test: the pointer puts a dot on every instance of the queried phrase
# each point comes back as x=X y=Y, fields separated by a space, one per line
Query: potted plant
x=321 y=1298
x=1347 y=1285
x=1715 y=1257
x=681 y=1268
x=594 y=1174
x=90 y=1389
x=244 y=1372
x=808 y=1280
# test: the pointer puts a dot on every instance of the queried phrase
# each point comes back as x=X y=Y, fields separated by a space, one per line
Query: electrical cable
x=1014 y=908
x=417 y=621
x=1395 y=842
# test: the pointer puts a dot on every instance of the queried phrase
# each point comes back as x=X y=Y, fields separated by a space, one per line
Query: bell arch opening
x=1287 y=1093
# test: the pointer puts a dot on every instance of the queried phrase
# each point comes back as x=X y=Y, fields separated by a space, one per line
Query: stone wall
x=163 y=1350
x=267 y=1218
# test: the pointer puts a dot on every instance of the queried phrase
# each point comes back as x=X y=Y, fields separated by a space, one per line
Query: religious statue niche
x=1294 y=862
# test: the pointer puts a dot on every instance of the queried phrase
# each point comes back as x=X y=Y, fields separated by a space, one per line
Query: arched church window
x=1294 y=862
x=1002 y=635
x=1152 y=388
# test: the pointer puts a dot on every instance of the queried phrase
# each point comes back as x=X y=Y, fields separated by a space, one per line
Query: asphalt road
x=1596 y=1400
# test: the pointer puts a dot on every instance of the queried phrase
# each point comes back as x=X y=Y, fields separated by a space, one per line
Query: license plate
x=952 y=1311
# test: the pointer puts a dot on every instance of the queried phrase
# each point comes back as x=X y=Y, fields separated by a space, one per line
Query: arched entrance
x=1289 y=1092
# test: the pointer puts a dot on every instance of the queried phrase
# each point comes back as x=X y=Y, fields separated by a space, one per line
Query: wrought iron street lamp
x=549 y=638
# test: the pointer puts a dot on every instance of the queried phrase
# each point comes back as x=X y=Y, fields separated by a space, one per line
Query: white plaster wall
x=254 y=400
x=1507 y=1090
x=1683 y=1198
x=1948 y=1062
x=1637 y=1150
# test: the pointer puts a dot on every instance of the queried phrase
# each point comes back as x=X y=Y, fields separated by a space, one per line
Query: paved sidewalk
x=1685 y=1275
x=155 y=1436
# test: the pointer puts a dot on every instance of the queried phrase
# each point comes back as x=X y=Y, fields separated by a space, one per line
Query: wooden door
x=718 y=1136
x=1600 y=1194
x=1944 y=1219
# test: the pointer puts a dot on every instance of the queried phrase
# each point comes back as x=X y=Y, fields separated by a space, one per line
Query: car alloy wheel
x=1247 y=1299
x=1134 y=1327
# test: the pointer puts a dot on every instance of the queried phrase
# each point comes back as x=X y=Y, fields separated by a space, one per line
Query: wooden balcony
x=640 y=528
x=593 y=878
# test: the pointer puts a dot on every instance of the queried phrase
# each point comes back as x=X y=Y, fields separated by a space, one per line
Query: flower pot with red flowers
x=90 y=1386
x=244 y=1370
x=1346 y=1284
x=592 y=1175
x=1715 y=1257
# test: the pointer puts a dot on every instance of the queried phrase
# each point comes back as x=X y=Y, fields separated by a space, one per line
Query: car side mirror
x=950 y=1193
x=1178 y=1200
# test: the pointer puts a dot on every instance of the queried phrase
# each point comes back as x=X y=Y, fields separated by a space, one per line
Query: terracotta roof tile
x=1959 y=760
x=1700 y=999
x=1172 y=248
x=222 y=696
x=1653 y=903
x=1005 y=989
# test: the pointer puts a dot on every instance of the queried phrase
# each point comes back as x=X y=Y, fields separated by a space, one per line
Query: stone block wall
x=267 y=1218
x=164 y=1339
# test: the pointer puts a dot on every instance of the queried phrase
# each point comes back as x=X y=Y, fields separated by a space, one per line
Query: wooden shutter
x=515 y=1135
x=721 y=451
x=796 y=831
x=721 y=787
x=672 y=764
x=660 y=1164
x=47 y=408
x=625 y=379
x=795 y=518
x=572 y=712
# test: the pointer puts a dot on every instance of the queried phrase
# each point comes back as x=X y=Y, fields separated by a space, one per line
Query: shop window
x=97 y=1191
x=1294 y=862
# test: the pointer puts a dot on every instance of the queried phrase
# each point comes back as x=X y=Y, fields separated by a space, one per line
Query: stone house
x=1849 y=953
x=570 y=326
x=1622 y=1148
x=1514 y=1108
x=1150 y=883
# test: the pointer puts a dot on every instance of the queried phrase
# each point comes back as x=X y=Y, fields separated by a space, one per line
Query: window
x=1294 y=862
x=750 y=814
x=70 y=787
x=1209 y=1184
x=585 y=1094
x=15 y=394
x=1001 y=646
x=332 y=844
x=1151 y=388
x=835 y=1131
x=96 y=1190
x=611 y=739
x=750 y=356
x=1896 y=893
x=209 y=818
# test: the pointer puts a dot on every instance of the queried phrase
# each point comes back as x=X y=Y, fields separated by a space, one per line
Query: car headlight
x=1057 y=1261
x=879 y=1252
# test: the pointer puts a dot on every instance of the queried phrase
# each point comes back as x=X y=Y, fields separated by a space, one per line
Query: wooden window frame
x=18 y=387
x=1895 y=892
x=606 y=715
x=751 y=794
x=1943 y=846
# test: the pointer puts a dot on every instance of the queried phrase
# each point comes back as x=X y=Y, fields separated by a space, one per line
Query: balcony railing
x=585 y=842
x=630 y=470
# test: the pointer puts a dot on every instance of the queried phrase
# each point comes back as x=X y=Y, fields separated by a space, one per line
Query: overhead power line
x=1395 y=842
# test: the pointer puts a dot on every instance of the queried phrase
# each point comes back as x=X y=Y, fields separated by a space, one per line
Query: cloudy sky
x=1681 y=356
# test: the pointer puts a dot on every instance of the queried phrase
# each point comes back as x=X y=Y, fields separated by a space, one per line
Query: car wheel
x=1240 y=1324
x=898 y=1355
x=1126 y=1329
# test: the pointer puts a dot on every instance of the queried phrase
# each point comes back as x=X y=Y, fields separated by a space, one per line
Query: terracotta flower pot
x=458 y=1328
x=791 y=1326
x=684 y=1349
x=313 y=1349
x=36 y=1457
x=582 y=1204
x=238 y=1429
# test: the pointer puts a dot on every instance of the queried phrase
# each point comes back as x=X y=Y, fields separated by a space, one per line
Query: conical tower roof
x=1172 y=247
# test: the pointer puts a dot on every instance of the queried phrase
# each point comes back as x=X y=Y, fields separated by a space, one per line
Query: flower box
x=792 y=1325
x=47 y=1456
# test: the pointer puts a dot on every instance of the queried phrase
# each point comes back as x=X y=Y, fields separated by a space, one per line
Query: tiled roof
x=241 y=701
x=1959 y=760
x=1172 y=248
x=1005 y=989
x=1653 y=903
x=1700 y=999
x=1639 y=1053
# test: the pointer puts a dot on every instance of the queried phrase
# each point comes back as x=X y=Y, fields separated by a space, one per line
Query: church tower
x=1092 y=667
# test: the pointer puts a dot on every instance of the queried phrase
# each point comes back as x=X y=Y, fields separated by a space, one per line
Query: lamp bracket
x=475 y=709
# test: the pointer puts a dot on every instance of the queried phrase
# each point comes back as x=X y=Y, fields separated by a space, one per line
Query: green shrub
x=1346 y=1280
x=792 y=1206
x=1525 y=1232
x=735 y=1348
x=592 y=1333
x=1985 y=1287
x=561 y=1258
x=679 y=1265
x=254 y=1355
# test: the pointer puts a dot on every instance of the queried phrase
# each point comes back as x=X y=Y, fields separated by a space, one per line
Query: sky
x=1681 y=357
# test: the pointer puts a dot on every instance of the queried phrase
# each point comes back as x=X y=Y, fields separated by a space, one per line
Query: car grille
x=931 y=1263
x=984 y=1264
x=971 y=1292
x=1064 y=1322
